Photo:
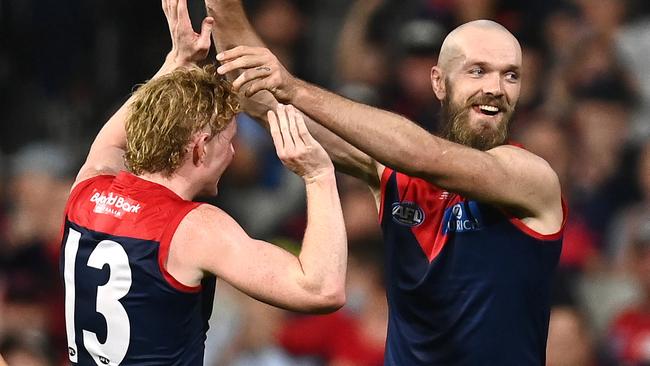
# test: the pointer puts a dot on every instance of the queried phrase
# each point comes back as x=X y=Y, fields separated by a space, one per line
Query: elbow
x=326 y=300
x=336 y=300
x=329 y=303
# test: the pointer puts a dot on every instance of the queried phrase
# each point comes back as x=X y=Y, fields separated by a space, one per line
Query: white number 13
x=118 y=328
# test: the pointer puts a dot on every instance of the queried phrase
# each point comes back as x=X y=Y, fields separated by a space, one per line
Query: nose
x=493 y=85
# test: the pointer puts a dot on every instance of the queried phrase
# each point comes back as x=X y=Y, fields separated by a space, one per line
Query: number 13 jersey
x=121 y=305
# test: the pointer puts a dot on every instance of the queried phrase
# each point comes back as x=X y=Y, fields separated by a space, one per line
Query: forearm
x=388 y=138
x=232 y=27
x=323 y=256
x=346 y=158
x=113 y=133
x=353 y=47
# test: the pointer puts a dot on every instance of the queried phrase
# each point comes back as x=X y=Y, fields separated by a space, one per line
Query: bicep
x=259 y=269
x=106 y=155
x=505 y=176
x=106 y=161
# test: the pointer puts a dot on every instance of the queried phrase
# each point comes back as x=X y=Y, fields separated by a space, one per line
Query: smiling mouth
x=486 y=109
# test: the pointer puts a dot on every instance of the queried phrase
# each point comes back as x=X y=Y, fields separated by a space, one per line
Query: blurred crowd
x=65 y=66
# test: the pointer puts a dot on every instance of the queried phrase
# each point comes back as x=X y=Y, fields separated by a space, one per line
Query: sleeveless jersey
x=121 y=305
x=466 y=283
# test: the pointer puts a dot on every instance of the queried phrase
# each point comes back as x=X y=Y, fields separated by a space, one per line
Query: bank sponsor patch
x=114 y=204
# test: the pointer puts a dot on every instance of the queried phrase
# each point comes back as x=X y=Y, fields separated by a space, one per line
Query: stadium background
x=65 y=67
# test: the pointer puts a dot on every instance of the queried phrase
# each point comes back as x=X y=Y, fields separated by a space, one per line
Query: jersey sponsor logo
x=114 y=204
x=462 y=218
x=407 y=213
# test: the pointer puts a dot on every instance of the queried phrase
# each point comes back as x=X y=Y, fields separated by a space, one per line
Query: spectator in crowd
x=629 y=333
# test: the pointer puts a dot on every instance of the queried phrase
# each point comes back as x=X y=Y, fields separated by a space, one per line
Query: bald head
x=460 y=42
x=477 y=81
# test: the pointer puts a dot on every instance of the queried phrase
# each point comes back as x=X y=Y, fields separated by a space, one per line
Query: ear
x=438 y=83
x=199 y=149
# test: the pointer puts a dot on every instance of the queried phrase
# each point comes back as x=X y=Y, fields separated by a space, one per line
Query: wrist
x=168 y=65
x=173 y=60
x=292 y=91
x=325 y=175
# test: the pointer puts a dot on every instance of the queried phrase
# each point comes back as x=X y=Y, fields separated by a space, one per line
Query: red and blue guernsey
x=121 y=306
x=467 y=284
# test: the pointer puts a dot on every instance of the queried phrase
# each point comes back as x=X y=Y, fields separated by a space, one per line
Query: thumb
x=206 y=30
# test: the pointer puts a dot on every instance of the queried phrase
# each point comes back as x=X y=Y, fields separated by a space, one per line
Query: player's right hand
x=296 y=147
x=188 y=47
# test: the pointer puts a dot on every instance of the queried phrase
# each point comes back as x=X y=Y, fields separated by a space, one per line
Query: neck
x=176 y=183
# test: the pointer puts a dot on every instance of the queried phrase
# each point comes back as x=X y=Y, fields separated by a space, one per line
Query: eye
x=512 y=76
x=476 y=71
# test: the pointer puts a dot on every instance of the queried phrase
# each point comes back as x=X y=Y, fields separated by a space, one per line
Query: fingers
x=204 y=40
x=274 y=128
x=165 y=8
x=236 y=52
x=246 y=61
x=283 y=125
x=289 y=143
x=182 y=14
x=292 y=115
x=169 y=8
x=289 y=133
x=248 y=75
x=303 y=132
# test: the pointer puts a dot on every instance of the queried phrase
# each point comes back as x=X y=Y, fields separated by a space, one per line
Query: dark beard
x=455 y=123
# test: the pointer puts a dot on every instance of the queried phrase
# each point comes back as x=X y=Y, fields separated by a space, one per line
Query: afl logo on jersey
x=407 y=213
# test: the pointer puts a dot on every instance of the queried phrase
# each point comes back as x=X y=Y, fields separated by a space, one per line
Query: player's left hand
x=261 y=68
x=296 y=147
x=188 y=47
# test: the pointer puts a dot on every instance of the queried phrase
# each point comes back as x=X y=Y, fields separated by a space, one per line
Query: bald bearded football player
x=473 y=226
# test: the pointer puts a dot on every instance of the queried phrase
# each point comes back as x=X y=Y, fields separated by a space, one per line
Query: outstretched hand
x=260 y=67
x=188 y=47
x=295 y=146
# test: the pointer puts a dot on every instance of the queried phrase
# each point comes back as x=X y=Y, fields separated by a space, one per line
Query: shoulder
x=206 y=238
x=528 y=166
x=520 y=155
x=87 y=176
x=539 y=187
x=81 y=187
x=205 y=215
x=207 y=224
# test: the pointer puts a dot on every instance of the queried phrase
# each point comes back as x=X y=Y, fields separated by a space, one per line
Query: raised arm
x=312 y=282
x=506 y=176
x=106 y=155
x=232 y=29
